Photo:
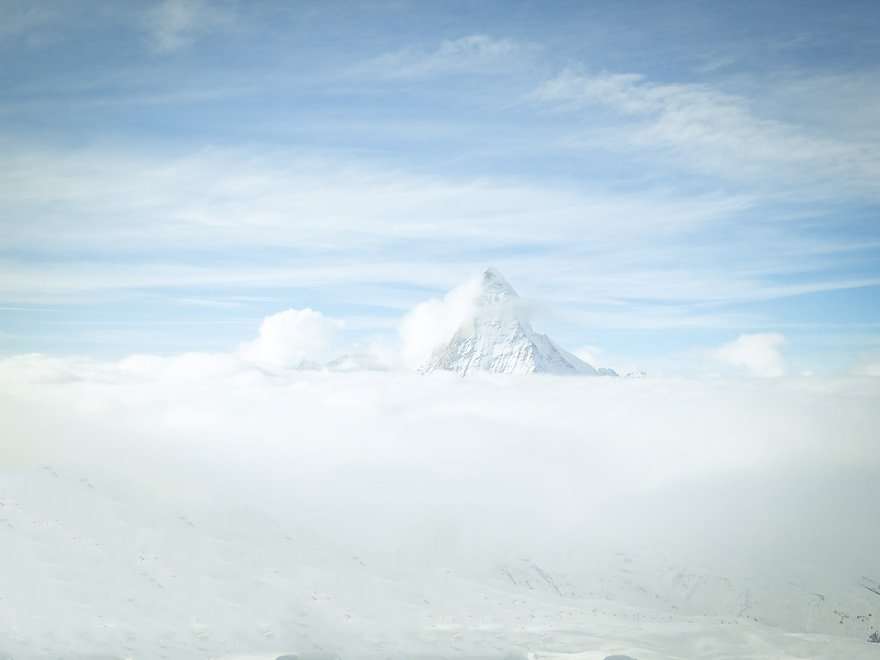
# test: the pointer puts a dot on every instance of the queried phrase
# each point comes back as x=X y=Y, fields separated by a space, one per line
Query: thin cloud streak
x=245 y=198
x=175 y=24
x=707 y=129
x=475 y=54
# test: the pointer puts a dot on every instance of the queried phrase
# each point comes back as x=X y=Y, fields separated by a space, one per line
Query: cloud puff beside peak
x=759 y=354
x=433 y=322
x=292 y=338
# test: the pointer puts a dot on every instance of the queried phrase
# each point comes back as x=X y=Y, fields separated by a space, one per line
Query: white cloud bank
x=292 y=338
x=758 y=354
x=199 y=505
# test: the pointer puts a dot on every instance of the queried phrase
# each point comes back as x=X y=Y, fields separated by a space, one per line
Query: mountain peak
x=494 y=288
x=493 y=277
x=498 y=338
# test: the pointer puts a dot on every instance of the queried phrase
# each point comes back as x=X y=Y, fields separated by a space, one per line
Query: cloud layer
x=333 y=498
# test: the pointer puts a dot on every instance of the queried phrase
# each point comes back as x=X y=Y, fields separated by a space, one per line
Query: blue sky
x=660 y=177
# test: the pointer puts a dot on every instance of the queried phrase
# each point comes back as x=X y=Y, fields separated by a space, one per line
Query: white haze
x=390 y=496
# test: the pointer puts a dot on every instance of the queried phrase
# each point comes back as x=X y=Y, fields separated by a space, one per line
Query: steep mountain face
x=498 y=338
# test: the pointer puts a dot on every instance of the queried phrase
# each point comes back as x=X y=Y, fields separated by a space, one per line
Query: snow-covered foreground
x=147 y=511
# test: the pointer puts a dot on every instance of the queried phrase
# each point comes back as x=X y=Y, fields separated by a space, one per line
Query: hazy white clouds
x=758 y=354
x=270 y=198
x=292 y=338
x=181 y=368
x=713 y=130
x=649 y=447
x=113 y=201
x=471 y=54
x=383 y=184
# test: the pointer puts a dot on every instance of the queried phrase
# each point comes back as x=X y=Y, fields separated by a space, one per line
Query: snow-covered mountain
x=498 y=338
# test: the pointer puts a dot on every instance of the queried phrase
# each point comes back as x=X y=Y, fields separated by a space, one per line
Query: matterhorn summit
x=497 y=337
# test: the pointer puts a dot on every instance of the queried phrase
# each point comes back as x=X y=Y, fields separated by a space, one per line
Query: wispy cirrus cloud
x=175 y=24
x=471 y=54
x=703 y=127
x=125 y=197
x=109 y=221
x=21 y=19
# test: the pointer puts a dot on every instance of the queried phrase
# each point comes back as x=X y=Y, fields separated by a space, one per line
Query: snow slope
x=498 y=338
